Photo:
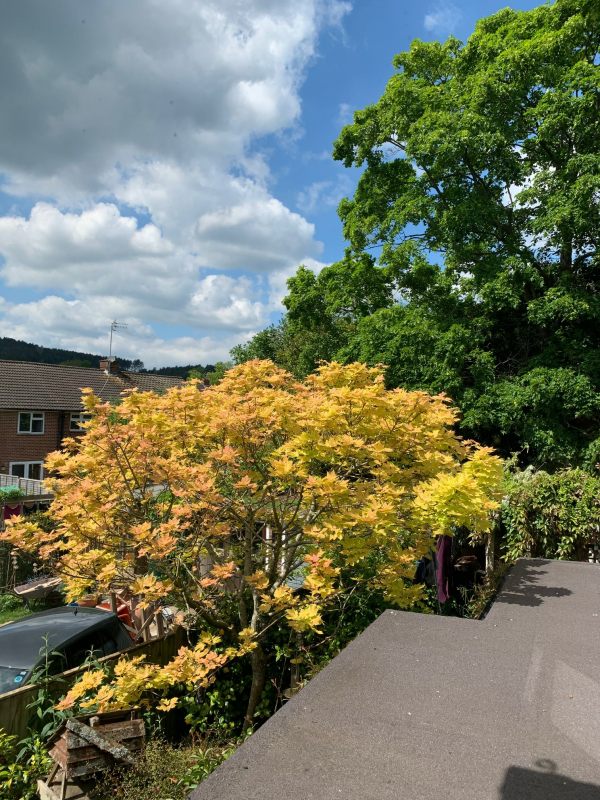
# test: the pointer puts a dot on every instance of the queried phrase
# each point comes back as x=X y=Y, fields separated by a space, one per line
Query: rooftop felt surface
x=422 y=707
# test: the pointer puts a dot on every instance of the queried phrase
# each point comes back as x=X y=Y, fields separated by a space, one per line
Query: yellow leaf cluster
x=305 y=618
x=134 y=681
x=220 y=500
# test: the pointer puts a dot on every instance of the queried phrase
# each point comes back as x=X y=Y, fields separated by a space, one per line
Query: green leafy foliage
x=165 y=771
x=210 y=375
x=10 y=493
x=9 y=602
x=21 y=766
x=472 y=266
x=551 y=516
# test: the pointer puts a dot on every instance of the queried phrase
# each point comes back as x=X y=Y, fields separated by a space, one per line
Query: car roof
x=22 y=640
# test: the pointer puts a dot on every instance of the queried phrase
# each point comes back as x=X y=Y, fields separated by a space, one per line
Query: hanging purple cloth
x=443 y=571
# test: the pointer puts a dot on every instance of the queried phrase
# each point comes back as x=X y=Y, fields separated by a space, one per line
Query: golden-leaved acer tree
x=225 y=499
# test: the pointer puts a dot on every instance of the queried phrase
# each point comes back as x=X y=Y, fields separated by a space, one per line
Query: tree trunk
x=259 y=676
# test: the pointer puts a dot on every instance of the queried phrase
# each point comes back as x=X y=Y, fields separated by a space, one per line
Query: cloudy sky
x=167 y=163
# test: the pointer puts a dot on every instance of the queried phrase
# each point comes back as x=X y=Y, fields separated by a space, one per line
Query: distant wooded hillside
x=183 y=372
x=16 y=350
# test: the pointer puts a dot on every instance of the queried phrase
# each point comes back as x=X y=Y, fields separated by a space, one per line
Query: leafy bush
x=21 y=764
x=9 y=602
x=163 y=772
x=551 y=516
x=10 y=493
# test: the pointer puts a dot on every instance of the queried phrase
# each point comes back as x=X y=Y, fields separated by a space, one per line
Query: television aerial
x=114 y=326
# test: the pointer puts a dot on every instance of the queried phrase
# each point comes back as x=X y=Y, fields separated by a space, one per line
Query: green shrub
x=551 y=516
x=9 y=602
x=21 y=764
x=10 y=493
x=164 y=771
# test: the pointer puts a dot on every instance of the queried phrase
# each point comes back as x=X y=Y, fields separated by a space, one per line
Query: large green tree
x=473 y=232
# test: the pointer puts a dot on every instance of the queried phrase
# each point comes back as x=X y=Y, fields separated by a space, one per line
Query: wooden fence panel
x=14 y=714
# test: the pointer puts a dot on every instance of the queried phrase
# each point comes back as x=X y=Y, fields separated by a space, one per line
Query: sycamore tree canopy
x=472 y=265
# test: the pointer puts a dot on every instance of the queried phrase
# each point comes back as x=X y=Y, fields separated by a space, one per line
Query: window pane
x=35 y=471
x=37 y=423
x=77 y=421
x=18 y=470
x=24 y=422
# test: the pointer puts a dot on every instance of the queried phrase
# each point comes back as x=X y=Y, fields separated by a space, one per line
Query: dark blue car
x=71 y=632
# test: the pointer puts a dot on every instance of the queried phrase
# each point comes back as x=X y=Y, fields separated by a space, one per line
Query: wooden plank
x=118 y=752
x=115 y=731
x=89 y=767
x=51 y=790
x=66 y=758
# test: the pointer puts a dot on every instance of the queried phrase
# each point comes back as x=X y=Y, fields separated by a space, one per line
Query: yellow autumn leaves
x=242 y=503
x=134 y=681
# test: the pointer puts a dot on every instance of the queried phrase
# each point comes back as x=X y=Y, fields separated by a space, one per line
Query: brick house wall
x=55 y=391
x=16 y=446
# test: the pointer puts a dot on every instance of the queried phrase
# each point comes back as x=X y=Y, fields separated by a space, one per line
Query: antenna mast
x=114 y=326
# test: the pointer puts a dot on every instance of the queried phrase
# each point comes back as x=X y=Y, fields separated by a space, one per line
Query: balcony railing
x=27 y=486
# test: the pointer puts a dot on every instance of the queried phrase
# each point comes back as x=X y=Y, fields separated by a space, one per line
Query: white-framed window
x=30 y=422
x=30 y=470
x=76 y=422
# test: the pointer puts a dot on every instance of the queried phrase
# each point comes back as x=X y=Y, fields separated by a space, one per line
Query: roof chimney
x=108 y=366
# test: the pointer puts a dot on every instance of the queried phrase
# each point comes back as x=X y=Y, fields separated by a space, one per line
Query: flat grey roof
x=423 y=707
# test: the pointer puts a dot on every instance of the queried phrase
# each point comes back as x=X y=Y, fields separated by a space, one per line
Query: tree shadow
x=545 y=784
x=522 y=586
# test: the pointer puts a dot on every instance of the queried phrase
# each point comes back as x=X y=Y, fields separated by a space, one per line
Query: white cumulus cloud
x=143 y=108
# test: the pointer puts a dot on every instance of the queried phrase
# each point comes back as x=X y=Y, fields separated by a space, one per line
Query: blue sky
x=168 y=164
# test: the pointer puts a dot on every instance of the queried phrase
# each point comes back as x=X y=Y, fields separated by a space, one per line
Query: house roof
x=48 y=387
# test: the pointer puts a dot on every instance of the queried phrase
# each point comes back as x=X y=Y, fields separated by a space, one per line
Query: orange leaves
x=219 y=574
x=193 y=667
x=90 y=680
x=245 y=484
x=330 y=486
x=259 y=580
x=157 y=542
x=224 y=571
x=320 y=576
x=223 y=499
x=281 y=598
x=283 y=468
x=149 y=589
x=167 y=704
x=225 y=455
x=247 y=640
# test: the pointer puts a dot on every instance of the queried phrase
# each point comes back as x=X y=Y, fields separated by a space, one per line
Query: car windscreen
x=11 y=678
